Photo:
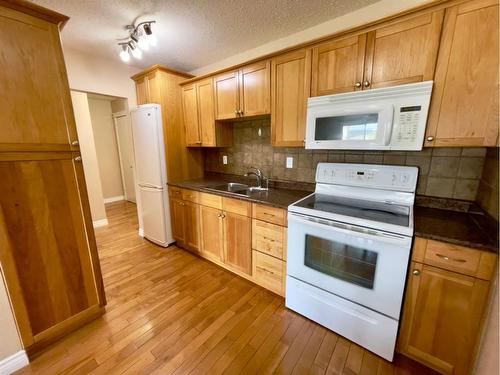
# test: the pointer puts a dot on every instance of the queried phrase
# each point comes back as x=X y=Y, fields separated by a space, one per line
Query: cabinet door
x=142 y=90
x=206 y=111
x=154 y=91
x=337 y=66
x=35 y=105
x=190 y=111
x=404 y=52
x=238 y=242
x=255 y=92
x=48 y=256
x=464 y=107
x=226 y=95
x=211 y=232
x=290 y=85
x=192 y=226
x=441 y=318
x=177 y=216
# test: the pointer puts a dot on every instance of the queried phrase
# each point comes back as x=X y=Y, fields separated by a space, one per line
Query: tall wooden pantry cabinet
x=48 y=252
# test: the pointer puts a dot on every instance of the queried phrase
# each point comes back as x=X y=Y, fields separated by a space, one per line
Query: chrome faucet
x=261 y=180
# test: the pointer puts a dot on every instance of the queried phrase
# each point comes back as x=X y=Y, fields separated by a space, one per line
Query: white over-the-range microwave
x=388 y=118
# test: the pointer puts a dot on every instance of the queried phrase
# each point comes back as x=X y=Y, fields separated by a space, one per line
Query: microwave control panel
x=409 y=120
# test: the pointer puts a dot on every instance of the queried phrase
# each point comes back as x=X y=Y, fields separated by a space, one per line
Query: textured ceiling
x=191 y=34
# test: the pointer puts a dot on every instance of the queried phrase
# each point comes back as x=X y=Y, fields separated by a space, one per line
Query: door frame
x=120 y=154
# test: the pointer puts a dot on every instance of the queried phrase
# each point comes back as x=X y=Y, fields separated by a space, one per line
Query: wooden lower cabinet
x=47 y=246
x=269 y=272
x=442 y=315
x=177 y=216
x=237 y=242
x=211 y=233
x=192 y=226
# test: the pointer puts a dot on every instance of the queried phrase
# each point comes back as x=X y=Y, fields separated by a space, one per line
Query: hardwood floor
x=170 y=312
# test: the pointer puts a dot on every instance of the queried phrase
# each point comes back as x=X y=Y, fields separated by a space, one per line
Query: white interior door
x=126 y=152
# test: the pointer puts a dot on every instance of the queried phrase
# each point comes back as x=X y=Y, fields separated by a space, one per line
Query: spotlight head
x=147 y=29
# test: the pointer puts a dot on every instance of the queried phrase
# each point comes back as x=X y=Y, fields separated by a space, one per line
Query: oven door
x=356 y=126
x=362 y=265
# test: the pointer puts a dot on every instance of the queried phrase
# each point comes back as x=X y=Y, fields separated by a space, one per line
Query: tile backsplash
x=444 y=172
x=487 y=195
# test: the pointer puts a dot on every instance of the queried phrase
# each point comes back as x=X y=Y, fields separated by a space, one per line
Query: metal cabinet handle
x=366 y=83
x=269 y=239
x=78 y=158
x=444 y=257
x=236 y=112
x=357 y=84
x=415 y=272
x=75 y=143
x=430 y=138
x=265 y=270
x=241 y=113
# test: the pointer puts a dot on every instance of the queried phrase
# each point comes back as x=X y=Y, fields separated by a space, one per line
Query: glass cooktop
x=358 y=208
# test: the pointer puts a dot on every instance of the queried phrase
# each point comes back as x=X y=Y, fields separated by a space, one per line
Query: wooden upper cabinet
x=399 y=53
x=337 y=66
x=142 y=90
x=199 y=117
x=35 y=104
x=404 y=52
x=243 y=92
x=206 y=112
x=255 y=95
x=290 y=88
x=191 y=118
x=238 y=242
x=227 y=98
x=464 y=108
x=441 y=318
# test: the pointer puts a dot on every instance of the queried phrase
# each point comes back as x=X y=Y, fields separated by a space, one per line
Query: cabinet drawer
x=460 y=259
x=268 y=238
x=210 y=200
x=270 y=214
x=190 y=195
x=174 y=192
x=268 y=272
x=236 y=206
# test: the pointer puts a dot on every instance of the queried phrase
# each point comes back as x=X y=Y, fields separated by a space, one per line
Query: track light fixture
x=140 y=39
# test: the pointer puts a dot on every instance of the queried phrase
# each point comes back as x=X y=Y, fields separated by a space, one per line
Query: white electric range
x=349 y=245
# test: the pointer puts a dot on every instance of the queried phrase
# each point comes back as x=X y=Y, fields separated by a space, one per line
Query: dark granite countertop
x=457 y=222
x=447 y=220
x=279 y=195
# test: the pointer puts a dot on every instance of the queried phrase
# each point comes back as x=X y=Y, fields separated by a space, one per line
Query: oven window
x=347 y=128
x=349 y=263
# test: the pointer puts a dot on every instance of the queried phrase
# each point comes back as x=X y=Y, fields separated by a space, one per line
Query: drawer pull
x=444 y=257
x=265 y=270
x=268 y=214
x=268 y=239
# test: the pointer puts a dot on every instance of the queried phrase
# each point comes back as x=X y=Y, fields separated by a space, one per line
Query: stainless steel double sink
x=237 y=188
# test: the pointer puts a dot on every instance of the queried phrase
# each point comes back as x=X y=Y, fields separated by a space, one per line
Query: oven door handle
x=351 y=229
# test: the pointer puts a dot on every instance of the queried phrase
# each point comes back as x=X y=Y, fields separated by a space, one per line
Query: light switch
x=289 y=162
x=224 y=159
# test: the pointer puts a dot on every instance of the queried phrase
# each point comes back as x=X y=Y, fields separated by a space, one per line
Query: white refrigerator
x=151 y=174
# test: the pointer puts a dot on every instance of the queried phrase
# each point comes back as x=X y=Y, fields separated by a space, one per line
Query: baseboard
x=14 y=362
x=114 y=199
x=141 y=232
x=100 y=223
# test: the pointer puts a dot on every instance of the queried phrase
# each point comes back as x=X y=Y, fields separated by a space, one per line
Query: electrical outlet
x=289 y=162
x=224 y=159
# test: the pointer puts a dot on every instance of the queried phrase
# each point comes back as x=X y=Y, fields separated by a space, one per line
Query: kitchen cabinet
x=161 y=85
x=444 y=306
x=290 y=88
x=237 y=242
x=199 y=117
x=48 y=252
x=212 y=236
x=192 y=226
x=177 y=217
x=464 y=107
x=185 y=218
x=269 y=272
x=243 y=92
x=396 y=53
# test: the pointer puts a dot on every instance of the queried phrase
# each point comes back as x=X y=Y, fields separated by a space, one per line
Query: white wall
x=359 y=17
x=102 y=76
x=9 y=338
x=89 y=155
x=106 y=147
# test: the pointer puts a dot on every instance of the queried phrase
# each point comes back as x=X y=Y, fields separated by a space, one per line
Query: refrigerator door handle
x=150 y=186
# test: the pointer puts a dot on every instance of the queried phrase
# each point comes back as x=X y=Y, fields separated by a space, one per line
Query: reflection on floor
x=171 y=312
